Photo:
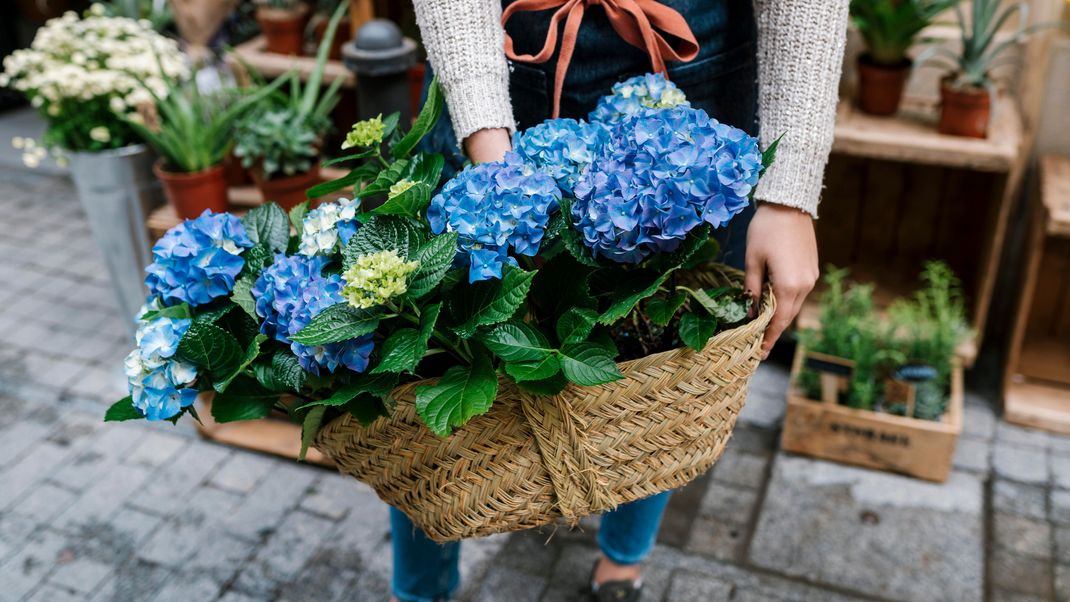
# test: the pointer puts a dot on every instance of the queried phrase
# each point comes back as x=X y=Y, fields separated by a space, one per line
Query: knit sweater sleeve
x=465 y=44
x=800 y=54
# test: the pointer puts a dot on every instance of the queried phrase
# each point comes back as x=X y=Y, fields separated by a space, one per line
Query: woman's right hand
x=485 y=146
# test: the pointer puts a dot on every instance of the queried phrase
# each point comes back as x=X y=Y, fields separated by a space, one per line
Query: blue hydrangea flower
x=561 y=148
x=319 y=294
x=634 y=95
x=159 y=384
x=663 y=173
x=495 y=208
x=328 y=225
x=197 y=260
x=278 y=290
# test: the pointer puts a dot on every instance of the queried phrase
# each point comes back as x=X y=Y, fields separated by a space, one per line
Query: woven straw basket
x=531 y=459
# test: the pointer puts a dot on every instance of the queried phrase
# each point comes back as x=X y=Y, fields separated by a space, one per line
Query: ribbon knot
x=638 y=22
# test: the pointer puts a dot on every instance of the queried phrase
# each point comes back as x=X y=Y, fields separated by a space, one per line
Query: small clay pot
x=964 y=111
x=234 y=172
x=286 y=191
x=341 y=36
x=880 y=87
x=284 y=30
x=191 y=193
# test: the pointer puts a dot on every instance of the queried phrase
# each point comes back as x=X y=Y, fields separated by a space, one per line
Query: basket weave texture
x=532 y=459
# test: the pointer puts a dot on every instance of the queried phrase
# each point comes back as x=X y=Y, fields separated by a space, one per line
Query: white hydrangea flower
x=319 y=231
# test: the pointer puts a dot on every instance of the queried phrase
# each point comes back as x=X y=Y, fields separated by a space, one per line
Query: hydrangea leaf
x=251 y=353
x=573 y=239
x=696 y=330
x=242 y=296
x=661 y=311
x=426 y=168
x=351 y=157
x=310 y=427
x=123 y=410
x=536 y=370
x=588 y=364
x=429 y=115
x=178 y=312
x=405 y=347
x=365 y=408
x=385 y=179
x=461 y=393
x=255 y=259
x=546 y=386
x=516 y=341
x=269 y=225
x=731 y=309
x=213 y=313
x=561 y=284
x=211 y=348
x=357 y=175
x=703 y=255
x=639 y=285
x=379 y=385
x=436 y=258
x=409 y=203
x=489 y=302
x=282 y=373
x=575 y=325
x=337 y=323
x=769 y=154
x=297 y=216
x=384 y=232
x=245 y=399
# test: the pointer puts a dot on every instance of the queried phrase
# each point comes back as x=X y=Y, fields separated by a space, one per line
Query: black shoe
x=613 y=591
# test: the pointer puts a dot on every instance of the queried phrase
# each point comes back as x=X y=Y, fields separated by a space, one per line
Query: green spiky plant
x=890 y=27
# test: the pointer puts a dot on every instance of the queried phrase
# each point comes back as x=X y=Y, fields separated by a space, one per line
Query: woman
x=773 y=62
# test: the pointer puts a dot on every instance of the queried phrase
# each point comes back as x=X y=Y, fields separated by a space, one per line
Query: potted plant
x=88 y=77
x=280 y=142
x=194 y=134
x=324 y=10
x=968 y=92
x=881 y=390
x=283 y=24
x=889 y=28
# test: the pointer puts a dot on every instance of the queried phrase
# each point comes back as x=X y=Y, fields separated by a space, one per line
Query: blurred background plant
x=891 y=27
x=156 y=12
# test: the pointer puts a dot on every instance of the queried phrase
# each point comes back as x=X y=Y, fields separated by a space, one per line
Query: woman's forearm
x=464 y=42
x=800 y=55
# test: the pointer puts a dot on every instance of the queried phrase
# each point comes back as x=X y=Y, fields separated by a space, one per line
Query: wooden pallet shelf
x=1037 y=379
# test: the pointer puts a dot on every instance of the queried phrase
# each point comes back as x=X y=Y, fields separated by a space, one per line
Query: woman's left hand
x=781 y=249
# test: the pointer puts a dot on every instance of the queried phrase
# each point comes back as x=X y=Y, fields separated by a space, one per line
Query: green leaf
x=696 y=330
x=427 y=118
x=242 y=296
x=573 y=239
x=403 y=350
x=547 y=386
x=704 y=255
x=269 y=225
x=769 y=154
x=435 y=257
x=350 y=157
x=283 y=373
x=661 y=311
x=589 y=364
x=350 y=179
x=211 y=348
x=490 y=301
x=542 y=369
x=383 y=232
x=561 y=284
x=123 y=410
x=251 y=353
x=385 y=179
x=337 y=323
x=365 y=408
x=461 y=393
x=245 y=399
x=310 y=427
x=176 y=312
x=639 y=285
x=575 y=325
x=297 y=216
x=426 y=168
x=379 y=385
x=213 y=313
x=410 y=203
x=516 y=341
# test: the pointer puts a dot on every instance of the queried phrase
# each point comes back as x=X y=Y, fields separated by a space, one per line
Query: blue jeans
x=722 y=80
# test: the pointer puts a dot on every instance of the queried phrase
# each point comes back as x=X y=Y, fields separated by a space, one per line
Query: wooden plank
x=274 y=436
x=1038 y=405
x=918 y=448
x=841 y=202
x=1046 y=308
x=922 y=199
x=911 y=136
x=881 y=208
x=1045 y=358
x=1032 y=255
x=1055 y=193
x=269 y=64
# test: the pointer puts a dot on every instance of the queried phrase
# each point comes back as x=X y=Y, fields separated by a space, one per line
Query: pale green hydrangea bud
x=365 y=133
x=375 y=278
x=399 y=188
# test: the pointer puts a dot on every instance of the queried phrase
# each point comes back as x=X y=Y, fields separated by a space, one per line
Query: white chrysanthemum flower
x=100 y=134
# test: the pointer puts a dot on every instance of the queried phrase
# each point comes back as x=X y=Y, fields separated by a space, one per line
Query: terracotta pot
x=234 y=172
x=191 y=193
x=284 y=30
x=880 y=87
x=964 y=111
x=341 y=36
x=287 y=191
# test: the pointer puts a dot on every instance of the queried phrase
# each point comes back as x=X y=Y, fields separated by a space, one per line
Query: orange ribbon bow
x=636 y=21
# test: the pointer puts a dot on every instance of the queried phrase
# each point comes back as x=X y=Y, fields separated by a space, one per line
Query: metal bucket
x=118 y=191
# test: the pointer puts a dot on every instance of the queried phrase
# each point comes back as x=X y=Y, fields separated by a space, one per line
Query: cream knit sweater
x=800 y=51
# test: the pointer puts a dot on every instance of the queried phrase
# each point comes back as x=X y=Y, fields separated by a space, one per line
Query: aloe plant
x=889 y=27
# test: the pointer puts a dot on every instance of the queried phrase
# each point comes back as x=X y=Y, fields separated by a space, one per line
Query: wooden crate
x=1037 y=380
x=276 y=436
x=827 y=430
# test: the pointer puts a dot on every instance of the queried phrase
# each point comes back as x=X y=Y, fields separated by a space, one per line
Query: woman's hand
x=485 y=146
x=781 y=249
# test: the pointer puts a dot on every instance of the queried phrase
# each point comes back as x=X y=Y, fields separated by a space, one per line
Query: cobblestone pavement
x=152 y=512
